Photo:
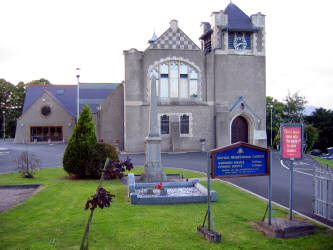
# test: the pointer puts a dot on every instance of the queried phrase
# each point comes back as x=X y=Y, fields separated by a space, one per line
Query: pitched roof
x=173 y=38
x=90 y=93
x=237 y=19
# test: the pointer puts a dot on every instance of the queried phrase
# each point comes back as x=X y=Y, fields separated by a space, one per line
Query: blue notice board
x=239 y=160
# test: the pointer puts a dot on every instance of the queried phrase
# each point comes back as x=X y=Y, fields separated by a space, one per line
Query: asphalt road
x=51 y=156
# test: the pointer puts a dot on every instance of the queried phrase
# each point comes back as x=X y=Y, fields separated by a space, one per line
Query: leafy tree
x=311 y=136
x=277 y=116
x=41 y=81
x=322 y=119
x=10 y=106
x=291 y=110
x=76 y=156
x=6 y=89
x=294 y=108
x=18 y=96
x=17 y=102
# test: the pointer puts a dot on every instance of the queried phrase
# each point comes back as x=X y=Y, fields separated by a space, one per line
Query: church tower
x=207 y=97
x=234 y=45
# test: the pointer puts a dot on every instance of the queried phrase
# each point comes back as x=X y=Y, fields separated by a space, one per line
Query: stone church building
x=214 y=95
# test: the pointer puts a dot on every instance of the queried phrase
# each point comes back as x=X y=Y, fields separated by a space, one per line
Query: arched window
x=184 y=124
x=176 y=79
x=165 y=124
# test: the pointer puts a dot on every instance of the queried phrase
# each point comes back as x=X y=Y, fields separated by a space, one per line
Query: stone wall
x=33 y=117
x=110 y=117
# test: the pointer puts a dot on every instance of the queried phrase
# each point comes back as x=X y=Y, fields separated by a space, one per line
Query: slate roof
x=237 y=19
x=92 y=94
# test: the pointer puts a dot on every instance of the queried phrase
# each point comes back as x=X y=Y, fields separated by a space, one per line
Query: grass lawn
x=54 y=218
x=324 y=162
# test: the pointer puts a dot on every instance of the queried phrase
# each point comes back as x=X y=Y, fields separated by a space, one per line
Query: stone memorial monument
x=153 y=168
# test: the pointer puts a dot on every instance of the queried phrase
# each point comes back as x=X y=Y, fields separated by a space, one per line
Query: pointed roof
x=64 y=94
x=174 y=38
x=237 y=19
x=90 y=93
x=153 y=38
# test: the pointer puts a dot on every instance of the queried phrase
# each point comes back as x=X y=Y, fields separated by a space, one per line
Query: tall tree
x=291 y=110
x=6 y=112
x=76 y=156
x=277 y=108
x=41 y=81
x=322 y=119
x=294 y=107
x=6 y=90
x=16 y=103
x=311 y=136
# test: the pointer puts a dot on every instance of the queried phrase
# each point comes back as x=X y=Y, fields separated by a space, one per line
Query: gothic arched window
x=184 y=124
x=165 y=124
x=176 y=79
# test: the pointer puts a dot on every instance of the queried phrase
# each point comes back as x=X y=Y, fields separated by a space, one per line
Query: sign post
x=209 y=232
x=270 y=190
x=243 y=160
x=240 y=160
x=209 y=209
x=292 y=137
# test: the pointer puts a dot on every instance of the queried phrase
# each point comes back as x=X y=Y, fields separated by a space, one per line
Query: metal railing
x=323 y=192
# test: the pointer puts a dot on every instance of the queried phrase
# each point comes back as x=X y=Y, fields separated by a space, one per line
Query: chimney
x=174 y=25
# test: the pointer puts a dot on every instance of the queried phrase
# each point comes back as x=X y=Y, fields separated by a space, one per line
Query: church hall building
x=214 y=94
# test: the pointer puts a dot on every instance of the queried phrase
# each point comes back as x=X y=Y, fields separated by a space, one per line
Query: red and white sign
x=291 y=138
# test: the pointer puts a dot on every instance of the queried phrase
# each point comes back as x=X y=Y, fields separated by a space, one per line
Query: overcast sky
x=49 y=39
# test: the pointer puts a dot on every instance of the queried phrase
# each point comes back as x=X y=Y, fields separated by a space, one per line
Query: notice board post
x=291 y=141
x=242 y=160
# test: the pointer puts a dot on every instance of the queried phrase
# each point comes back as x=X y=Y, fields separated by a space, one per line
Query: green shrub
x=98 y=154
x=77 y=153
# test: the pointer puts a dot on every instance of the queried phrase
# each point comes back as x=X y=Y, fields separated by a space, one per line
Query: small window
x=165 y=125
x=60 y=91
x=46 y=110
x=184 y=124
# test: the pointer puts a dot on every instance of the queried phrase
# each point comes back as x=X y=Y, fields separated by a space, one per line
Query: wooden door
x=239 y=130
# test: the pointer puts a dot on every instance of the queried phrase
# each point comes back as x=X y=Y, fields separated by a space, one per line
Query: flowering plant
x=101 y=198
x=160 y=186
x=115 y=169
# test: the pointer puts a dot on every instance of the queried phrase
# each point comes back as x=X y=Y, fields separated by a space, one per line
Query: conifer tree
x=76 y=156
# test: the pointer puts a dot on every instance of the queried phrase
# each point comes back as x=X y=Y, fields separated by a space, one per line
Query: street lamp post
x=3 y=124
x=78 y=94
x=271 y=106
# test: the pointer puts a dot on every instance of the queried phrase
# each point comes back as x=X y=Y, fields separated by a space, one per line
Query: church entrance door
x=239 y=130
